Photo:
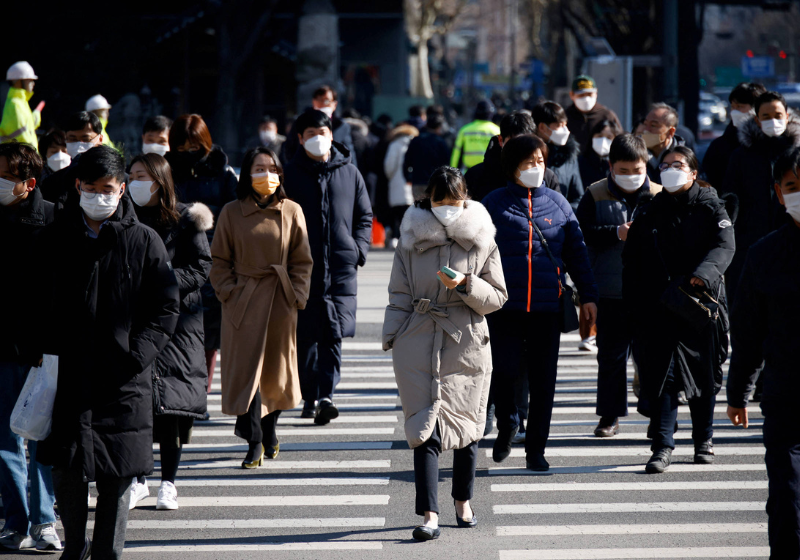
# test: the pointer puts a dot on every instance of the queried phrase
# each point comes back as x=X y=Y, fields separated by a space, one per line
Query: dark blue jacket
x=516 y=241
x=563 y=161
x=338 y=214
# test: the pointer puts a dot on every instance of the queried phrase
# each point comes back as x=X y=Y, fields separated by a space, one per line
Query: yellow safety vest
x=18 y=119
x=471 y=143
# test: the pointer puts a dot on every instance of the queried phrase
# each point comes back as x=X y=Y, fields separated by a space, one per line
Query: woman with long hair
x=261 y=273
x=179 y=372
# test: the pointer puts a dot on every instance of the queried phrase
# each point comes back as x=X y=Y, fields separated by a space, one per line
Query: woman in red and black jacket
x=528 y=325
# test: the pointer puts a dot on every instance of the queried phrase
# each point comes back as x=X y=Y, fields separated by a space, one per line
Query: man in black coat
x=765 y=325
x=715 y=162
x=562 y=150
x=334 y=199
x=426 y=153
x=111 y=303
x=488 y=175
x=23 y=216
x=660 y=127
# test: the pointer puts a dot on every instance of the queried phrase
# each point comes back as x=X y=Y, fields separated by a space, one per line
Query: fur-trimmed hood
x=421 y=230
x=559 y=155
x=199 y=215
x=403 y=130
x=751 y=136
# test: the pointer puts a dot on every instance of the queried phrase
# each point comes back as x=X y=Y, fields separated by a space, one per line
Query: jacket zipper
x=530 y=247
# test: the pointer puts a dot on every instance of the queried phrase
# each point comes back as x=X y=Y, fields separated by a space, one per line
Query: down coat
x=180 y=377
x=439 y=337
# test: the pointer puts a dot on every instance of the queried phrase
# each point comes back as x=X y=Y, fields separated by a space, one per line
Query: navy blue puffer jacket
x=535 y=287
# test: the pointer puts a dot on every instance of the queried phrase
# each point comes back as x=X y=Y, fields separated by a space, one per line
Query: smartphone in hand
x=457 y=276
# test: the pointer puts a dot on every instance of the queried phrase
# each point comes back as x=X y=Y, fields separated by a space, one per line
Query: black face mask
x=187 y=160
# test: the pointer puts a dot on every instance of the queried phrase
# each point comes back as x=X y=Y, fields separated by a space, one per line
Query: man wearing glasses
x=659 y=136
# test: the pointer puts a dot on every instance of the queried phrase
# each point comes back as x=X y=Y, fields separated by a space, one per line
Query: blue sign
x=758 y=66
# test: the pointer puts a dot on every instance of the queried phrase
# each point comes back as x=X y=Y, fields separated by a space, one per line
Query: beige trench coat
x=261 y=273
x=440 y=341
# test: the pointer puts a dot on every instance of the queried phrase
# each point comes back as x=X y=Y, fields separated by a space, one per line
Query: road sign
x=758 y=66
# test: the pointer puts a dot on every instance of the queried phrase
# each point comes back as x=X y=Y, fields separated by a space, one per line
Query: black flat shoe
x=325 y=412
x=309 y=410
x=537 y=463
x=423 y=533
x=502 y=445
x=466 y=524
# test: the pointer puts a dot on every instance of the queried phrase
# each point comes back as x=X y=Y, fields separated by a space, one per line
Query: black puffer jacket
x=334 y=199
x=563 y=160
x=749 y=177
x=208 y=180
x=718 y=154
x=111 y=304
x=180 y=378
x=488 y=176
x=20 y=225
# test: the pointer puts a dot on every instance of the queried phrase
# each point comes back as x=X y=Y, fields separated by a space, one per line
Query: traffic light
x=749 y=53
x=782 y=54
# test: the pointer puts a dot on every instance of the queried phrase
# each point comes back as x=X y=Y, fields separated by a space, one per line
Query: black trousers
x=426 y=472
x=252 y=428
x=782 y=440
x=319 y=355
x=525 y=342
x=665 y=414
x=614 y=341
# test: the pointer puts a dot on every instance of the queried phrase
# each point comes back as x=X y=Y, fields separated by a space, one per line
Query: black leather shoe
x=325 y=412
x=660 y=461
x=537 y=463
x=502 y=445
x=309 y=409
x=704 y=453
x=607 y=427
x=423 y=533
x=466 y=524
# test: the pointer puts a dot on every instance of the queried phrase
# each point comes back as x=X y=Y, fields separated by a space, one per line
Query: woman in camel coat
x=261 y=273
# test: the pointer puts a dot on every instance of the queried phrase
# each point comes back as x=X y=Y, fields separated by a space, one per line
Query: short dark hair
x=99 y=162
x=435 y=110
x=747 y=93
x=600 y=127
x=312 y=119
x=323 y=90
x=517 y=150
x=671 y=118
x=548 y=112
x=445 y=182
x=417 y=111
x=769 y=97
x=627 y=147
x=79 y=120
x=787 y=161
x=156 y=124
x=517 y=123
x=266 y=119
x=54 y=137
x=434 y=121
x=245 y=186
x=23 y=160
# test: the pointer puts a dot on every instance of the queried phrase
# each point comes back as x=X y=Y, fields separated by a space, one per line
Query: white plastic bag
x=32 y=416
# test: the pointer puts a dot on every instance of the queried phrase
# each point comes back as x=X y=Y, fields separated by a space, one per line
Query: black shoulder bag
x=568 y=315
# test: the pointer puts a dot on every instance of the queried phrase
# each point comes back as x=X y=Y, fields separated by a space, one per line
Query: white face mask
x=601 y=146
x=99 y=206
x=792 y=203
x=318 y=145
x=159 y=149
x=447 y=215
x=587 y=103
x=75 y=148
x=267 y=136
x=773 y=127
x=532 y=178
x=738 y=117
x=7 y=195
x=674 y=179
x=141 y=191
x=629 y=183
x=559 y=136
x=58 y=161
x=328 y=111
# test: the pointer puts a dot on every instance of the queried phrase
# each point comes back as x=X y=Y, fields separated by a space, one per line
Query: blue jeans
x=14 y=469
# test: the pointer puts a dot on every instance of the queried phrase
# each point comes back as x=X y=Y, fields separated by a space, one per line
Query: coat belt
x=254 y=276
x=434 y=311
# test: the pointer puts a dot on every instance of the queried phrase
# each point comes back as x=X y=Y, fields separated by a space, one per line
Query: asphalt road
x=346 y=490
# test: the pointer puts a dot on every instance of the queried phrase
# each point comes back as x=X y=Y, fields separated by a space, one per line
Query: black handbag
x=568 y=314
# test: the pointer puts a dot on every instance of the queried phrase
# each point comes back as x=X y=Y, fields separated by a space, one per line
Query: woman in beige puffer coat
x=437 y=331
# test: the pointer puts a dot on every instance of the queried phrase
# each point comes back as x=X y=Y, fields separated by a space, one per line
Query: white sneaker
x=167 y=496
x=46 y=537
x=138 y=493
x=588 y=345
x=11 y=540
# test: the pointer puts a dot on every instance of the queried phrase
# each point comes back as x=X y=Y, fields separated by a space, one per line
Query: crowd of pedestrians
x=544 y=222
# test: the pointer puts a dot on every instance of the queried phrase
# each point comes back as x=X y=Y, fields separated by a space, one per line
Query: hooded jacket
x=399 y=191
x=488 y=175
x=335 y=202
x=112 y=304
x=530 y=275
x=563 y=161
x=439 y=337
x=180 y=377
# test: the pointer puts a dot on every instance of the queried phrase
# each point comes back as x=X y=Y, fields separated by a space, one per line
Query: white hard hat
x=97 y=102
x=21 y=71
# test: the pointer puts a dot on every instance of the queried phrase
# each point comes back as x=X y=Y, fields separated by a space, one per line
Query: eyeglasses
x=91 y=195
x=677 y=165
